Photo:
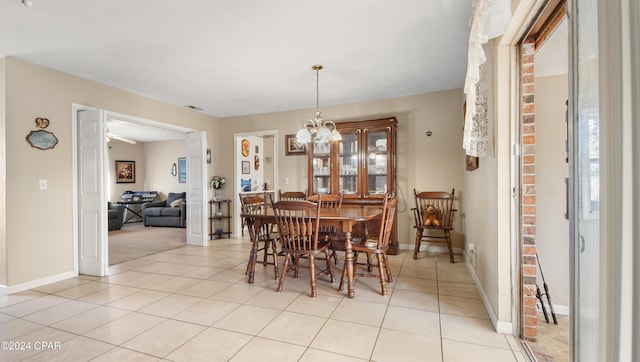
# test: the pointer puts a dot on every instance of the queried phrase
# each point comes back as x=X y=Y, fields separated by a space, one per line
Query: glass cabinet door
x=377 y=162
x=321 y=168
x=348 y=164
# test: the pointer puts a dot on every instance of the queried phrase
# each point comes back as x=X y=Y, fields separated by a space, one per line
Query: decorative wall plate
x=42 y=139
x=245 y=147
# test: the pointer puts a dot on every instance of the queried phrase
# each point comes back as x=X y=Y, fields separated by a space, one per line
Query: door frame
x=237 y=170
x=75 y=108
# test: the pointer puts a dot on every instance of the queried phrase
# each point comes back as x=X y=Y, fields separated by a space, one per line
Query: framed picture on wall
x=246 y=167
x=471 y=162
x=182 y=170
x=125 y=172
x=292 y=146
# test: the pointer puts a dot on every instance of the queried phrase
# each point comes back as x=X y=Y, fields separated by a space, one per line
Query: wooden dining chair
x=252 y=205
x=433 y=218
x=331 y=233
x=292 y=196
x=298 y=227
x=378 y=246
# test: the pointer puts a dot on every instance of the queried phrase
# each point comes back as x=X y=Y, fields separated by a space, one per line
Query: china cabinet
x=361 y=166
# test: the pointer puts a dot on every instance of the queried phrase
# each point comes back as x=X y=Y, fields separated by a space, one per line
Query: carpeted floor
x=134 y=241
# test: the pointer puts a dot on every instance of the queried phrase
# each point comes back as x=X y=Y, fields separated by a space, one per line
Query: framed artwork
x=471 y=162
x=246 y=167
x=182 y=170
x=292 y=146
x=245 y=147
x=125 y=172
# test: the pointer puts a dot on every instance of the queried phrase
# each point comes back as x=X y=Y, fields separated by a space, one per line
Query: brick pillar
x=528 y=197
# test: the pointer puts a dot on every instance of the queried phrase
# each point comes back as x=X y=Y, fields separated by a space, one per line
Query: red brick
x=528 y=139
x=527 y=79
x=530 y=302
x=529 y=230
x=529 y=250
x=527 y=160
x=529 y=200
x=528 y=169
x=529 y=220
x=529 y=210
x=528 y=179
x=529 y=129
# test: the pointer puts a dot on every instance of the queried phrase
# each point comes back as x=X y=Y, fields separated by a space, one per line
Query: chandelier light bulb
x=27 y=3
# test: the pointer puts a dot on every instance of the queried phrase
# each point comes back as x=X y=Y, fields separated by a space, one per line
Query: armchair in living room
x=115 y=216
x=170 y=212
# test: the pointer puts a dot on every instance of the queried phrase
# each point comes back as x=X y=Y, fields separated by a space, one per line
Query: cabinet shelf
x=219 y=225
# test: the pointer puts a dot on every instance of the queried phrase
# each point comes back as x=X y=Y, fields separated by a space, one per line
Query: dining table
x=344 y=218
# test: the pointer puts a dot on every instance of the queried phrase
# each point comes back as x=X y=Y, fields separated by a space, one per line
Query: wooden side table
x=219 y=219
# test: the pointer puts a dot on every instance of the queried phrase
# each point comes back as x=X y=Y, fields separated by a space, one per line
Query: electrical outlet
x=286 y=180
x=42 y=184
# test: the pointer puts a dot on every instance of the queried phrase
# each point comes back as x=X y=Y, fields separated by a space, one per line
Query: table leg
x=349 y=264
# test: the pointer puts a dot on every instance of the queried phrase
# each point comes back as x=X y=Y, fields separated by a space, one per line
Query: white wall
x=552 y=229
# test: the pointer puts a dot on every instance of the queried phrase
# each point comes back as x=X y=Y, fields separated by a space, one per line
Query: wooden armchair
x=433 y=214
x=298 y=226
x=252 y=205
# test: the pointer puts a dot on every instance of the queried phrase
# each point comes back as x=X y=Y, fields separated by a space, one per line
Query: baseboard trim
x=500 y=326
x=4 y=290
x=431 y=248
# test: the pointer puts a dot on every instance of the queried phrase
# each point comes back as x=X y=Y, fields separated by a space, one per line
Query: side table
x=219 y=219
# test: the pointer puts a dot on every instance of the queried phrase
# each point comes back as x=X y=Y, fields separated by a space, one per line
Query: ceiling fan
x=113 y=136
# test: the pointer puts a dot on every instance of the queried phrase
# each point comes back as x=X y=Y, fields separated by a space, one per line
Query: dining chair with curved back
x=433 y=214
x=292 y=196
x=298 y=227
x=252 y=205
x=378 y=246
x=331 y=233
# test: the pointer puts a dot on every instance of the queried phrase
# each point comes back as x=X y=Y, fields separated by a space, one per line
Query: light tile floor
x=194 y=304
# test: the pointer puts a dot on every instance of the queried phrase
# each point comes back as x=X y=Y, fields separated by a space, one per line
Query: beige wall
x=159 y=157
x=121 y=151
x=39 y=224
x=425 y=163
x=3 y=176
x=552 y=229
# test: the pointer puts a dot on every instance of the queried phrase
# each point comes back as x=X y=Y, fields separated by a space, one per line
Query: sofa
x=170 y=212
x=115 y=214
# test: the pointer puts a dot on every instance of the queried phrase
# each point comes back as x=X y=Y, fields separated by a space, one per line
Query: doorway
x=92 y=166
x=255 y=168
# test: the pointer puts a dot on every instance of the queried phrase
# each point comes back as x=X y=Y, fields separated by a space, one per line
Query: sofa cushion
x=174 y=196
x=177 y=203
x=163 y=211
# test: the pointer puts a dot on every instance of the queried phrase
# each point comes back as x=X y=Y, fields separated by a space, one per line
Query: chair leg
x=283 y=273
x=312 y=275
x=448 y=236
x=383 y=287
x=418 y=240
x=344 y=275
x=388 y=270
x=275 y=259
x=329 y=266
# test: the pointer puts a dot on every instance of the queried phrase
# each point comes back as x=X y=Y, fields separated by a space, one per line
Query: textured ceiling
x=235 y=58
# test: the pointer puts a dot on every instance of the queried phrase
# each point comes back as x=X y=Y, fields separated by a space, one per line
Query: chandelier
x=318 y=129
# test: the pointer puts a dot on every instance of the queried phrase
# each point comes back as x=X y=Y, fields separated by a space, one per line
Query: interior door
x=92 y=224
x=196 y=189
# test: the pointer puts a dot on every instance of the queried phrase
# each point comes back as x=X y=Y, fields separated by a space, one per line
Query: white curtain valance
x=489 y=19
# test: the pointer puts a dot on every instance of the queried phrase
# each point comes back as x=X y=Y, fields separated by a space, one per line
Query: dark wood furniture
x=361 y=166
x=433 y=214
x=378 y=246
x=253 y=206
x=330 y=233
x=292 y=196
x=219 y=219
x=298 y=227
x=344 y=218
